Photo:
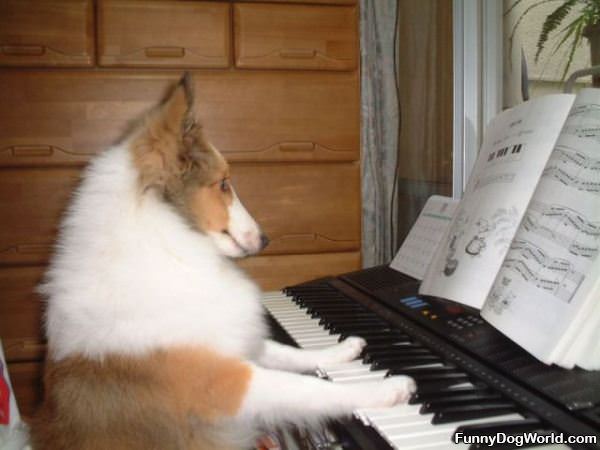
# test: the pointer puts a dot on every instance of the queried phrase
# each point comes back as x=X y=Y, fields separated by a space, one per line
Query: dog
x=156 y=340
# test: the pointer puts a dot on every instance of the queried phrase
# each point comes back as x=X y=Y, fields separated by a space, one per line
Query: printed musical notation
x=565 y=227
x=533 y=265
x=574 y=169
x=417 y=250
x=584 y=122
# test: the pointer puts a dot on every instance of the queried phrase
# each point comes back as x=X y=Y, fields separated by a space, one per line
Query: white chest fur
x=130 y=275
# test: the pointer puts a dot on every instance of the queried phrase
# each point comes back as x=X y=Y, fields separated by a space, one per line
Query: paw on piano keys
x=447 y=399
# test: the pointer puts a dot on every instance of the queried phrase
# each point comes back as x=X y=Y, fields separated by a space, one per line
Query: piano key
x=401 y=344
x=461 y=413
x=449 y=404
x=430 y=405
x=416 y=436
x=385 y=345
x=510 y=427
x=400 y=363
x=420 y=425
x=470 y=389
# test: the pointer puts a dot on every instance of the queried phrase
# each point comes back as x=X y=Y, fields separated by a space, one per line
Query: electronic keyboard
x=472 y=381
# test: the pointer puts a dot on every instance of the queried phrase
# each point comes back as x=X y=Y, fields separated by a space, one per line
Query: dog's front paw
x=345 y=351
x=388 y=392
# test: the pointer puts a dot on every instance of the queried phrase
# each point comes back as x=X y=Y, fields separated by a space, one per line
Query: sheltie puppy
x=156 y=340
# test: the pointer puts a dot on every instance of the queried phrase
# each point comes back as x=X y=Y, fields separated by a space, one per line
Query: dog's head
x=174 y=159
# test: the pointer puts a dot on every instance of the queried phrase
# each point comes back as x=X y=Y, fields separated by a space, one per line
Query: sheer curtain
x=379 y=137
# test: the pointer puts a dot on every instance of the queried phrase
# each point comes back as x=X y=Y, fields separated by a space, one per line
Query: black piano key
x=338 y=327
x=431 y=404
x=452 y=376
x=524 y=425
x=357 y=331
x=357 y=327
x=369 y=357
x=317 y=303
x=402 y=362
x=317 y=312
x=440 y=370
x=368 y=333
x=397 y=351
x=355 y=319
x=389 y=340
x=442 y=405
x=471 y=412
x=422 y=396
x=409 y=343
x=435 y=385
x=351 y=320
x=347 y=318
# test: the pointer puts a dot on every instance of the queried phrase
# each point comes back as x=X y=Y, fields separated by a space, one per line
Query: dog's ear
x=176 y=111
x=161 y=153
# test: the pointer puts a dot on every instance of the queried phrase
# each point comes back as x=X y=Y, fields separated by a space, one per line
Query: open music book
x=523 y=244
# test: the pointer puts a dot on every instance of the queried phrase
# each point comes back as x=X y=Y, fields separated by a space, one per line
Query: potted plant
x=571 y=29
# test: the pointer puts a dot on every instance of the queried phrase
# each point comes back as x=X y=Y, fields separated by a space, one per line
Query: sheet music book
x=523 y=245
x=418 y=248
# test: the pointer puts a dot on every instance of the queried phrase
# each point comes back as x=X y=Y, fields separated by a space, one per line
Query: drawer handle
x=298 y=53
x=297 y=146
x=165 y=52
x=23 y=50
x=32 y=150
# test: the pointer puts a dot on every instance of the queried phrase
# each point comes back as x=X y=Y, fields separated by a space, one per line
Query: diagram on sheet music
x=470 y=239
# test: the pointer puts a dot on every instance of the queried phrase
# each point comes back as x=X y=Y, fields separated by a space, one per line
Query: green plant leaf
x=521 y=17
x=576 y=42
x=568 y=32
x=551 y=23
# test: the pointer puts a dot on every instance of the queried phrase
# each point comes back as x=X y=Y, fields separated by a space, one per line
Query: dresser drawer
x=281 y=116
x=303 y=208
x=59 y=118
x=296 y=36
x=278 y=271
x=31 y=203
x=163 y=33
x=46 y=33
x=20 y=306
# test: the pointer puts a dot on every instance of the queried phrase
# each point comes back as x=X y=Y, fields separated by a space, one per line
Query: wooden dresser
x=277 y=87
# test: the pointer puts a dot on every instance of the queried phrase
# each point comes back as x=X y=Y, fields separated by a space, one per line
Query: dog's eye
x=224 y=185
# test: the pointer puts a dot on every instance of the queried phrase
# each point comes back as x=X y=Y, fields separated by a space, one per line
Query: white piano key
x=312 y=341
x=401 y=425
x=421 y=435
x=408 y=429
x=353 y=378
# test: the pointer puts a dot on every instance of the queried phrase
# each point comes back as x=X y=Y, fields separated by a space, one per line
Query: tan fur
x=209 y=206
x=172 y=156
x=170 y=399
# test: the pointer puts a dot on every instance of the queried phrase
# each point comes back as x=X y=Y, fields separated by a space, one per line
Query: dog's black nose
x=264 y=241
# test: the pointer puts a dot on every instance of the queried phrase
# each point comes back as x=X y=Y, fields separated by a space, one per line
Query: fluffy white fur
x=130 y=276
